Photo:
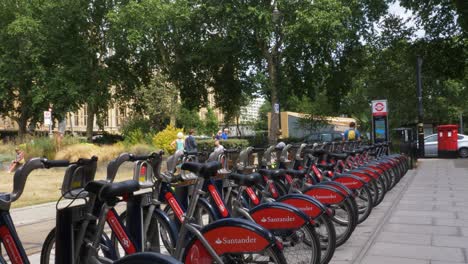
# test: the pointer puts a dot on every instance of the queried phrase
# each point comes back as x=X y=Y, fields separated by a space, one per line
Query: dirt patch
x=44 y=185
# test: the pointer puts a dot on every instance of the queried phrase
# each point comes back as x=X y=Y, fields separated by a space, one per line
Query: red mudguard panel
x=309 y=208
x=277 y=218
x=349 y=182
x=325 y=196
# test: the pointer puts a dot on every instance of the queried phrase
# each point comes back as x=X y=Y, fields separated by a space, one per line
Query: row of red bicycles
x=294 y=204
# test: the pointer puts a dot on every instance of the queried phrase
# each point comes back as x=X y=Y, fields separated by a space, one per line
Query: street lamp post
x=274 y=75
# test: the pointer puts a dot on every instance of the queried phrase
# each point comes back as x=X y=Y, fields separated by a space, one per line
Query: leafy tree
x=22 y=72
x=189 y=119
x=156 y=100
x=211 y=122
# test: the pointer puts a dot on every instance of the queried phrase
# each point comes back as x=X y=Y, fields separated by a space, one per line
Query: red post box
x=447 y=139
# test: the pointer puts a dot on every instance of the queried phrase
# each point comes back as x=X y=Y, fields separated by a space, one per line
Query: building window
x=85 y=115
x=76 y=118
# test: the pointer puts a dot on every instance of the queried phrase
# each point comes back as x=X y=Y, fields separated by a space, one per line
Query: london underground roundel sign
x=379 y=108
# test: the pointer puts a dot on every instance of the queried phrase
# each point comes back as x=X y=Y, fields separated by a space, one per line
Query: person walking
x=352 y=134
x=178 y=143
x=190 y=143
x=218 y=146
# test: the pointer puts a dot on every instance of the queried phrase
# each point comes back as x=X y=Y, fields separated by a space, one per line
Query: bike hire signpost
x=379 y=121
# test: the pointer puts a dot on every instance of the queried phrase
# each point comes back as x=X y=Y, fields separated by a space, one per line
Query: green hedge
x=208 y=144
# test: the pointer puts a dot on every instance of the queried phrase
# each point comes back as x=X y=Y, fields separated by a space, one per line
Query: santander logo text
x=278 y=219
x=330 y=196
x=233 y=241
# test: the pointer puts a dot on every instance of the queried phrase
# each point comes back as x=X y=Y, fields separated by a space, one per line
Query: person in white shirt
x=218 y=146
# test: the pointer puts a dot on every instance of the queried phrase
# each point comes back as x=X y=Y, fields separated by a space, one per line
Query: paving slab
x=392 y=260
x=417 y=252
x=450 y=241
x=411 y=220
x=430 y=222
x=422 y=229
x=403 y=238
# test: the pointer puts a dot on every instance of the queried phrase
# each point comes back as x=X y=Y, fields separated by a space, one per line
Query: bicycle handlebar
x=114 y=165
x=21 y=175
x=55 y=163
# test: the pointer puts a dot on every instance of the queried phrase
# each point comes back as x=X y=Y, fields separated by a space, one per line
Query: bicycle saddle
x=317 y=152
x=192 y=153
x=247 y=180
x=340 y=156
x=351 y=152
x=272 y=174
x=205 y=170
x=106 y=190
x=296 y=173
x=328 y=166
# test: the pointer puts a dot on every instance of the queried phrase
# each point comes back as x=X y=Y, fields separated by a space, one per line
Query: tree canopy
x=322 y=57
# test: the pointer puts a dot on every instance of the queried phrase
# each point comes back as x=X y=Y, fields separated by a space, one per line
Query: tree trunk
x=91 y=109
x=239 y=133
x=173 y=115
x=274 y=123
x=22 y=127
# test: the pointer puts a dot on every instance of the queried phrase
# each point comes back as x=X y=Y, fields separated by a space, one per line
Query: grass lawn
x=44 y=185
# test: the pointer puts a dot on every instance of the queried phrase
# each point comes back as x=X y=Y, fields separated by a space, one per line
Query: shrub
x=105 y=139
x=134 y=123
x=135 y=137
x=141 y=149
x=163 y=139
x=7 y=152
x=71 y=140
x=104 y=153
x=40 y=147
x=208 y=144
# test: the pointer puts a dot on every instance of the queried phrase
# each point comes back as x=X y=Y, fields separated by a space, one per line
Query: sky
x=400 y=11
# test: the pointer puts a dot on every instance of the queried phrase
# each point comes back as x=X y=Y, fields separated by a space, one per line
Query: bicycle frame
x=10 y=239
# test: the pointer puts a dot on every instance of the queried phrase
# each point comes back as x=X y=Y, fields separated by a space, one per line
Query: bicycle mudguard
x=278 y=216
x=363 y=176
x=230 y=235
x=307 y=204
x=350 y=181
x=325 y=194
x=376 y=168
x=370 y=171
x=162 y=216
x=361 y=172
x=339 y=186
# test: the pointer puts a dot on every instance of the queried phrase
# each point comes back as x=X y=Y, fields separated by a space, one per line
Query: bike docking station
x=72 y=210
x=380 y=131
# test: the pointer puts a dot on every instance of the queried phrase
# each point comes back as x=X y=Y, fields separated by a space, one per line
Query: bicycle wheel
x=344 y=221
x=147 y=258
x=157 y=228
x=203 y=215
x=364 y=203
x=301 y=245
x=271 y=255
x=381 y=189
x=326 y=234
x=48 y=249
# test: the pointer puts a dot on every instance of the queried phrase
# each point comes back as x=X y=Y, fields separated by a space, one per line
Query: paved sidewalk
x=423 y=221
